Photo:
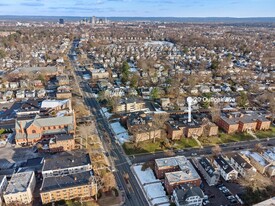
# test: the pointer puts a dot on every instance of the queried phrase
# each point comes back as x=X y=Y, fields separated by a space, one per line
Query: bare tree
x=259 y=148
x=216 y=150
x=109 y=181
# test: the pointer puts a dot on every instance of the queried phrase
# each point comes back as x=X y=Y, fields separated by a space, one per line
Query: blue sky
x=140 y=8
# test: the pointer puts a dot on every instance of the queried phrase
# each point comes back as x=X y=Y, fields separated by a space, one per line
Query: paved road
x=229 y=147
x=133 y=194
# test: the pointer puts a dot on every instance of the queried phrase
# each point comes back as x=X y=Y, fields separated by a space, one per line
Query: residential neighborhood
x=99 y=111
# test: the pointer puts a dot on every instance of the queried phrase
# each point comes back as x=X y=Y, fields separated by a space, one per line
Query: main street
x=133 y=194
x=192 y=152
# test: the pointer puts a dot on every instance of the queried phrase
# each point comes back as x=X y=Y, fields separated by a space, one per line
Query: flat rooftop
x=74 y=180
x=171 y=161
x=66 y=161
x=19 y=182
x=182 y=176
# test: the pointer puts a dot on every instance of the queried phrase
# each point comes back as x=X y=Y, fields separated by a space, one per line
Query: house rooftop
x=223 y=164
x=205 y=163
x=186 y=192
x=257 y=157
x=240 y=160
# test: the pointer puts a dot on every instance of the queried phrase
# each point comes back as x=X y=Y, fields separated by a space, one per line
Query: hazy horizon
x=141 y=8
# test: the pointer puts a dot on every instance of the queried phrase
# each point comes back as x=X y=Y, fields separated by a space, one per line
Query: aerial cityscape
x=137 y=103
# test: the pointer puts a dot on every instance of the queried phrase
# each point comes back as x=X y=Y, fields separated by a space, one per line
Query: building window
x=33 y=131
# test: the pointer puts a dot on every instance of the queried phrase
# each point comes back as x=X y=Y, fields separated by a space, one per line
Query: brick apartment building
x=239 y=122
x=176 y=171
x=68 y=176
x=175 y=179
x=62 y=142
x=74 y=186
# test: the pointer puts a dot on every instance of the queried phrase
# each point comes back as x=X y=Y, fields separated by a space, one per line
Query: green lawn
x=184 y=143
x=143 y=147
x=2 y=131
x=266 y=134
x=209 y=141
x=237 y=137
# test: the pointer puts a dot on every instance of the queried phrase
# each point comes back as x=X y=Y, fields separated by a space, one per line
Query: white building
x=227 y=172
x=65 y=165
x=188 y=196
x=243 y=167
x=20 y=189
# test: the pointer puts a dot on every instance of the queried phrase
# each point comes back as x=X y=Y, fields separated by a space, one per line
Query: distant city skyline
x=140 y=8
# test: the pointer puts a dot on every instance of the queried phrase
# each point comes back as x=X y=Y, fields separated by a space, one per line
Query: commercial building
x=20 y=189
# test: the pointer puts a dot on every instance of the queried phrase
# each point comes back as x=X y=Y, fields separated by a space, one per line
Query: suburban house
x=260 y=163
x=29 y=131
x=210 y=174
x=242 y=166
x=227 y=172
x=20 y=189
x=188 y=196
